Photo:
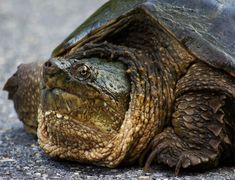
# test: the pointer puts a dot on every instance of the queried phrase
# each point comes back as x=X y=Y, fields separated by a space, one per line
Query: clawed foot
x=168 y=148
x=190 y=158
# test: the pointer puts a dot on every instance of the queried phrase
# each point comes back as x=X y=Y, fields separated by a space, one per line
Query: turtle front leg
x=197 y=133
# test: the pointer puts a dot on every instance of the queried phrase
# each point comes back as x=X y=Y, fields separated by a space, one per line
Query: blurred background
x=29 y=31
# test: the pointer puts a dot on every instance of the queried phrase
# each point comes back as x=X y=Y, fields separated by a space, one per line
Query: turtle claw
x=150 y=159
x=164 y=149
x=194 y=158
x=186 y=160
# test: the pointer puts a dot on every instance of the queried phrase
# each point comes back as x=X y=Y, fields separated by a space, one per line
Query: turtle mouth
x=66 y=112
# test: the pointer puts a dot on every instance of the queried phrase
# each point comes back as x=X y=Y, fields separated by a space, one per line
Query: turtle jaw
x=96 y=114
x=71 y=133
x=65 y=131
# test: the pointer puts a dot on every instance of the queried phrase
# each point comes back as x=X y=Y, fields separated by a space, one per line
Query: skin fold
x=131 y=92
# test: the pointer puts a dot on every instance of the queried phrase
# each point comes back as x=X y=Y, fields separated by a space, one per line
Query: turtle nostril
x=48 y=64
x=50 y=68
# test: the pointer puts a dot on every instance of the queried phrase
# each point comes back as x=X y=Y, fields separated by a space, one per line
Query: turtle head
x=83 y=102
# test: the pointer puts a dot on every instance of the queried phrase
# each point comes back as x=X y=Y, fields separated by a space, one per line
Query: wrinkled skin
x=132 y=92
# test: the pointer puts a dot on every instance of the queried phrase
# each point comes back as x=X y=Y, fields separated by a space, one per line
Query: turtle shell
x=205 y=27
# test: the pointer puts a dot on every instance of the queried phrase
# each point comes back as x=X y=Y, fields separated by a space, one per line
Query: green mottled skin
x=131 y=91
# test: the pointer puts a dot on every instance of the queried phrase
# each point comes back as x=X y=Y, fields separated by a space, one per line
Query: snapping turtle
x=139 y=80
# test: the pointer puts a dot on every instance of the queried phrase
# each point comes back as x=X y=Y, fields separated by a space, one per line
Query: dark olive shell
x=205 y=27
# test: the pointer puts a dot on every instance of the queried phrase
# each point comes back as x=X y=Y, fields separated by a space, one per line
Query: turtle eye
x=81 y=72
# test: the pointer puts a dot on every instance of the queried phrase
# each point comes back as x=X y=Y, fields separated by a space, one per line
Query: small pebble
x=144 y=177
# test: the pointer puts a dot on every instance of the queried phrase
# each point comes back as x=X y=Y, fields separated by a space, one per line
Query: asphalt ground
x=29 y=30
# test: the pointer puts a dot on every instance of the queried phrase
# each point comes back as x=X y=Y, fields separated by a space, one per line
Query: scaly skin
x=168 y=106
x=24 y=90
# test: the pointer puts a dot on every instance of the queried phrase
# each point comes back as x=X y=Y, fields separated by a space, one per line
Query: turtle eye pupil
x=83 y=70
